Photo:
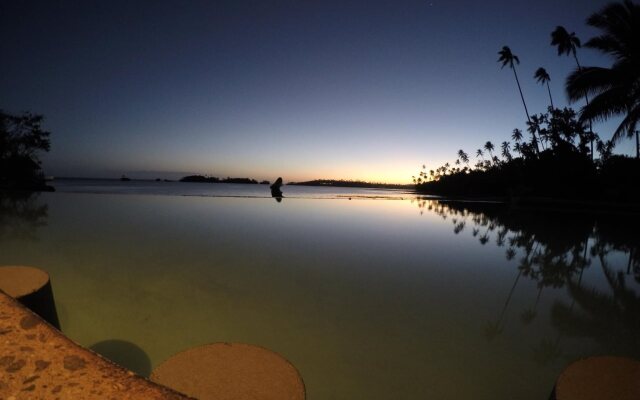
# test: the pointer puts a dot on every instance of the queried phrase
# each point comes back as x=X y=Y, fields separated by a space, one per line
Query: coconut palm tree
x=510 y=59
x=543 y=77
x=489 y=147
x=506 y=153
x=568 y=43
x=464 y=157
x=617 y=88
x=517 y=135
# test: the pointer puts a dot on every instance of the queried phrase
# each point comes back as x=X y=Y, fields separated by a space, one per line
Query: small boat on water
x=124 y=178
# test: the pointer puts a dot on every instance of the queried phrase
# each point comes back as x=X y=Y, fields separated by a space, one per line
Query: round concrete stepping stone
x=235 y=371
x=600 y=378
x=30 y=286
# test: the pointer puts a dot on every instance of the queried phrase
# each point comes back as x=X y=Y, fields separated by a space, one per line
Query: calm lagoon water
x=384 y=296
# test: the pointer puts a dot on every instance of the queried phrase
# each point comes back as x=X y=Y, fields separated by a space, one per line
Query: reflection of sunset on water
x=469 y=292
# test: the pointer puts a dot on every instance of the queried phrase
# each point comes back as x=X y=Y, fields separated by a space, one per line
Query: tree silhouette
x=21 y=139
x=464 y=157
x=489 y=148
x=568 y=43
x=510 y=59
x=506 y=153
x=543 y=77
x=517 y=135
x=616 y=89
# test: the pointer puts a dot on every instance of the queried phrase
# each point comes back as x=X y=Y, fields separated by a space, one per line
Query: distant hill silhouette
x=213 y=179
x=350 y=183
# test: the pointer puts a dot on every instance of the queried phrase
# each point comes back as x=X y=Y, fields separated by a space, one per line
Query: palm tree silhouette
x=506 y=153
x=543 y=77
x=568 y=43
x=616 y=88
x=517 y=135
x=464 y=157
x=510 y=59
x=489 y=147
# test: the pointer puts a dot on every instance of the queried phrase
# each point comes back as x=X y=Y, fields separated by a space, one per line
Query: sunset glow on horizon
x=330 y=90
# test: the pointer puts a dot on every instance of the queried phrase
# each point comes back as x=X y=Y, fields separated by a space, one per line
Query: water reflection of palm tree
x=547 y=351
x=554 y=252
x=495 y=328
x=529 y=314
x=612 y=320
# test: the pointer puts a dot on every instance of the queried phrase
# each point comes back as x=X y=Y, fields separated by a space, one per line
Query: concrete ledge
x=32 y=287
x=38 y=362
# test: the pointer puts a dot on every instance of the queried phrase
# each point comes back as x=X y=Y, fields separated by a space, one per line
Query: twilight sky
x=301 y=89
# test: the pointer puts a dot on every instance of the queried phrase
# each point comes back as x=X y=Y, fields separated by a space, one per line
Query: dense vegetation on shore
x=21 y=139
x=350 y=183
x=558 y=157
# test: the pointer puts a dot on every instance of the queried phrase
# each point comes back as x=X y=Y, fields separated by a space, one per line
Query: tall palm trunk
x=550 y=98
x=525 y=105
x=521 y=95
x=586 y=99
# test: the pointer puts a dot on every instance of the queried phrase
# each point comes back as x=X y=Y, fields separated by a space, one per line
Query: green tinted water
x=374 y=299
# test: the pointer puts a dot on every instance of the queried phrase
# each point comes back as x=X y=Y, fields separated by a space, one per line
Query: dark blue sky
x=303 y=89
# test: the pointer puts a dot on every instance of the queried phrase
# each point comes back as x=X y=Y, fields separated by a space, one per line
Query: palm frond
x=590 y=80
x=607 y=44
x=605 y=105
x=628 y=124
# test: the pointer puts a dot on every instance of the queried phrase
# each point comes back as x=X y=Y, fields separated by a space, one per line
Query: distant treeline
x=213 y=179
x=349 y=183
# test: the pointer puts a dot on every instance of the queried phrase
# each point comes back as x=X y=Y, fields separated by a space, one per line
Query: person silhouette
x=275 y=189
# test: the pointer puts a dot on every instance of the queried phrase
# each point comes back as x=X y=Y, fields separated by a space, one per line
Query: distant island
x=317 y=182
x=350 y=183
x=213 y=179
